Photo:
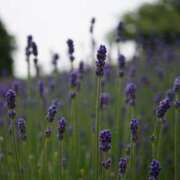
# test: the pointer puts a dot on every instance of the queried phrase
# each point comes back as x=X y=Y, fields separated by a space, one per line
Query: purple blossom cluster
x=105 y=140
x=52 y=110
x=61 y=127
x=100 y=63
x=163 y=107
x=130 y=92
x=154 y=169
x=134 y=126
x=123 y=163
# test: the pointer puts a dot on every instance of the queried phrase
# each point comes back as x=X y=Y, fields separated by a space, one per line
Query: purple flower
x=21 y=128
x=51 y=113
x=106 y=163
x=123 y=163
x=104 y=100
x=11 y=98
x=176 y=86
x=154 y=169
x=70 y=45
x=105 y=140
x=130 y=92
x=162 y=108
x=74 y=79
x=61 y=127
x=100 y=63
x=134 y=125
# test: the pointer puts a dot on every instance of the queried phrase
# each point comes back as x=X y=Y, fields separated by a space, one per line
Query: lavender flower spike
x=51 y=113
x=11 y=98
x=162 y=108
x=61 y=127
x=154 y=170
x=134 y=125
x=100 y=63
x=130 y=92
x=123 y=163
x=105 y=140
x=21 y=127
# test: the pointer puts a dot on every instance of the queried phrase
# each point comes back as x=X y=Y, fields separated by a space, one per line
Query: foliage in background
x=7 y=45
x=159 y=20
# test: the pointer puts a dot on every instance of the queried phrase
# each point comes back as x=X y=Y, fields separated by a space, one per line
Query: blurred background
x=52 y=22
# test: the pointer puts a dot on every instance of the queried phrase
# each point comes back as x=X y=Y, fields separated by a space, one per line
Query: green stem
x=16 y=151
x=97 y=128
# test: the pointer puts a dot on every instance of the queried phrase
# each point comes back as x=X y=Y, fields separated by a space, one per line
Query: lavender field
x=101 y=122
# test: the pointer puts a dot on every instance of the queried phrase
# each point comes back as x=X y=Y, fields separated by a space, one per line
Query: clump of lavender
x=123 y=163
x=176 y=86
x=100 y=63
x=130 y=92
x=11 y=99
x=163 y=107
x=121 y=64
x=104 y=100
x=21 y=128
x=52 y=110
x=61 y=128
x=106 y=163
x=134 y=126
x=154 y=170
x=105 y=140
x=70 y=45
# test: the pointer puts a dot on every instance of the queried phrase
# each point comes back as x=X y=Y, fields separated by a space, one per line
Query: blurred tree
x=160 y=20
x=7 y=45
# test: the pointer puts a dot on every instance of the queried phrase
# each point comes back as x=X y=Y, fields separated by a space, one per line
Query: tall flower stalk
x=11 y=104
x=100 y=63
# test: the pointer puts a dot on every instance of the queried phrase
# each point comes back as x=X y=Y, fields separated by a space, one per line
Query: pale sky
x=51 y=22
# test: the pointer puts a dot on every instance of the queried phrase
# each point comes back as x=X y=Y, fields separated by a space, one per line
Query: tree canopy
x=7 y=45
x=161 y=20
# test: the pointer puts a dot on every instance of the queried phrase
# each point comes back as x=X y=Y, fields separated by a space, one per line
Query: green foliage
x=159 y=20
x=6 y=48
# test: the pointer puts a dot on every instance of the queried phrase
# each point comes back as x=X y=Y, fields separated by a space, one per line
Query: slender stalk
x=15 y=149
x=97 y=128
x=159 y=141
x=61 y=160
